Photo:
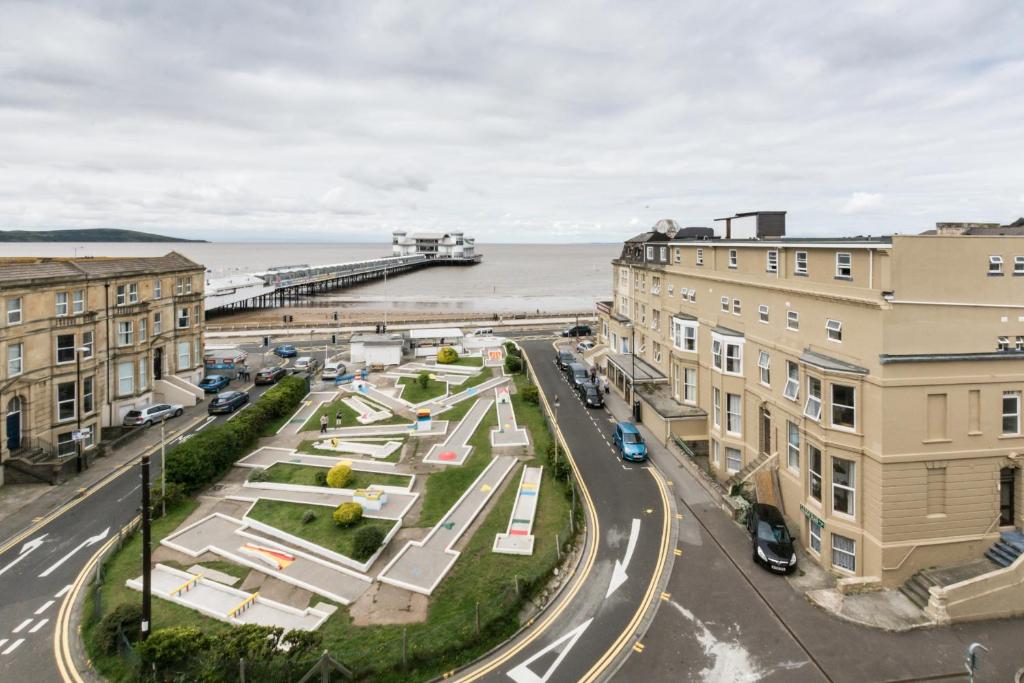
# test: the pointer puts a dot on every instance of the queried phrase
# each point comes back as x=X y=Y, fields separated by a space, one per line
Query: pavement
x=518 y=539
x=456 y=449
x=269 y=456
x=507 y=433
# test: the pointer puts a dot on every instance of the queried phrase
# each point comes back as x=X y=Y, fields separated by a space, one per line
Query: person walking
x=593 y=374
x=337 y=418
x=323 y=424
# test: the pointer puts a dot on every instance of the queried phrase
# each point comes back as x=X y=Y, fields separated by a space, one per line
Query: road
x=595 y=623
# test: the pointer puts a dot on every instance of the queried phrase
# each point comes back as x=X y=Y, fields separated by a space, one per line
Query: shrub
x=511 y=349
x=258 y=474
x=127 y=618
x=513 y=364
x=423 y=379
x=530 y=394
x=447 y=355
x=348 y=514
x=174 y=494
x=168 y=648
x=308 y=516
x=320 y=478
x=339 y=476
x=366 y=541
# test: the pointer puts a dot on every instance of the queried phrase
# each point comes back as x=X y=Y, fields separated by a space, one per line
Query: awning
x=645 y=372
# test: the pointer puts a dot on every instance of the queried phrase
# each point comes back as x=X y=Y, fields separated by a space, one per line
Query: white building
x=448 y=245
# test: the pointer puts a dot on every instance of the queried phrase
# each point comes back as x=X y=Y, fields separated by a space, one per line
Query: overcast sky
x=514 y=121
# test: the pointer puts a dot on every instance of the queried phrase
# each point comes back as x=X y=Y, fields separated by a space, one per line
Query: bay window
x=843 y=486
x=812 y=408
x=814 y=471
x=843 y=406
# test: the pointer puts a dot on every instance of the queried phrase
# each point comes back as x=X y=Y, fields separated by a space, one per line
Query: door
x=158 y=363
x=765 y=430
x=13 y=424
x=1007 y=504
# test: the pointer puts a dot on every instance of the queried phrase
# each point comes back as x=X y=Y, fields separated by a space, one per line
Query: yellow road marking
x=679 y=515
x=638 y=647
x=666 y=596
x=678 y=552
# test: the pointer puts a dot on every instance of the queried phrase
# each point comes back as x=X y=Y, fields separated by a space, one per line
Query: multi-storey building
x=880 y=376
x=84 y=340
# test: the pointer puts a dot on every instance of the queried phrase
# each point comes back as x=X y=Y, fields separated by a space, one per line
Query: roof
x=659 y=398
x=726 y=331
x=824 y=362
x=18 y=269
x=650 y=236
x=435 y=333
x=887 y=358
x=858 y=240
x=377 y=339
x=645 y=372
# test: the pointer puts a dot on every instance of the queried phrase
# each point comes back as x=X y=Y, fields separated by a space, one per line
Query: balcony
x=130 y=309
x=75 y=320
x=194 y=297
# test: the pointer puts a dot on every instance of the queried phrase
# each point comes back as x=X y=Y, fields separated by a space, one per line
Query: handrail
x=245 y=604
x=187 y=585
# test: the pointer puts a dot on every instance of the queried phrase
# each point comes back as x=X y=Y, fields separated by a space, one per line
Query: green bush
x=167 y=649
x=512 y=350
x=174 y=494
x=206 y=456
x=367 y=540
x=339 y=476
x=320 y=477
x=348 y=514
x=308 y=517
x=447 y=355
x=423 y=379
x=513 y=364
x=530 y=394
x=126 y=618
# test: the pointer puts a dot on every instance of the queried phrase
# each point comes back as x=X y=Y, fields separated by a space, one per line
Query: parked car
x=306 y=364
x=211 y=384
x=772 y=544
x=591 y=395
x=577 y=375
x=577 y=331
x=150 y=415
x=227 y=402
x=585 y=346
x=286 y=351
x=629 y=443
x=334 y=369
x=269 y=375
x=563 y=358
x=483 y=332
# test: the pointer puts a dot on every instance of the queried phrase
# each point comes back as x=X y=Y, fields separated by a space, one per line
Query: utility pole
x=78 y=409
x=555 y=435
x=163 y=467
x=146 y=585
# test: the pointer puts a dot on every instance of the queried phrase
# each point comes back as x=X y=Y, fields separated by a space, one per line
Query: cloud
x=525 y=122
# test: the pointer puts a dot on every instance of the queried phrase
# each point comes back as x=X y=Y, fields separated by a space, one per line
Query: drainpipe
x=106 y=309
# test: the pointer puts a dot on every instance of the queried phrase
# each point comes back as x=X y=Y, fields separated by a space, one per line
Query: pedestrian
x=607 y=388
x=337 y=418
x=323 y=424
x=593 y=374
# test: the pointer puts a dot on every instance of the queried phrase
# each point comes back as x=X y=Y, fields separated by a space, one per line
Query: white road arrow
x=523 y=674
x=619 y=573
x=25 y=550
x=92 y=540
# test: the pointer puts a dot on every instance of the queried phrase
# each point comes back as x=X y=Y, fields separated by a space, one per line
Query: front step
x=916 y=588
x=740 y=476
x=1007 y=549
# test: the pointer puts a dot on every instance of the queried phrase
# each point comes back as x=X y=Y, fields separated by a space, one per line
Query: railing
x=244 y=605
x=187 y=586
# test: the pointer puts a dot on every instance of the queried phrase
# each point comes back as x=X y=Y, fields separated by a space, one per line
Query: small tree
x=530 y=394
x=447 y=355
x=339 y=476
x=169 y=648
x=348 y=514
x=423 y=379
x=513 y=364
x=126 y=619
x=367 y=540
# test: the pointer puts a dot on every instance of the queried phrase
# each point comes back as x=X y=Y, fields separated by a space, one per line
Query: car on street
x=591 y=396
x=286 y=351
x=305 y=364
x=577 y=375
x=150 y=415
x=269 y=375
x=563 y=358
x=629 y=442
x=211 y=384
x=585 y=346
x=577 y=331
x=772 y=544
x=334 y=369
x=227 y=402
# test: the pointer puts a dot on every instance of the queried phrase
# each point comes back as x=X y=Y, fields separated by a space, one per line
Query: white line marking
x=21 y=626
x=522 y=673
x=45 y=606
x=238 y=412
x=38 y=626
x=25 y=550
x=14 y=646
x=619 y=573
x=2 y=641
x=203 y=426
x=92 y=540
x=63 y=590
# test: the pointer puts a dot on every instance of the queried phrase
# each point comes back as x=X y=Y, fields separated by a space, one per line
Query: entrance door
x=1007 y=507
x=13 y=424
x=158 y=363
x=765 y=430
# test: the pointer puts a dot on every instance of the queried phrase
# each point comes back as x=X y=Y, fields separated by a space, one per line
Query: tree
x=447 y=355
x=423 y=379
x=513 y=364
x=169 y=648
x=348 y=514
x=339 y=476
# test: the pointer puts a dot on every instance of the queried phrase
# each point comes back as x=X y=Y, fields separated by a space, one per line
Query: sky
x=513 y=121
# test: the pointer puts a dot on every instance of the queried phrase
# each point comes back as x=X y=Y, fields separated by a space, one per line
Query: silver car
x=150 y=415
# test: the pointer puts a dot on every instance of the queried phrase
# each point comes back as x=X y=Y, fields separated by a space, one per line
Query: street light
x=79 y=350
x=556 y=431
x=632 y=357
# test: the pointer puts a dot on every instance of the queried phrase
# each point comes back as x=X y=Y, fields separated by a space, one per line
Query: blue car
x=211 y=384
x=286 y=351
x=628 y=441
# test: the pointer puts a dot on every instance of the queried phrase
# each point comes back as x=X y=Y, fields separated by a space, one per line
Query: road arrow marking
x=25 y=550
x=619 y=573
x=92 y=540
x=522 y=673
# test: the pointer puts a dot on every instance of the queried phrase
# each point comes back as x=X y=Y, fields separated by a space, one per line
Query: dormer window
x=650 y=253
x=995 y=265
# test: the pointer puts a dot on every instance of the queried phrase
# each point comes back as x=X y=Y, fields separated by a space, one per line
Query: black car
x=563 y=358
x=577 y=331
x=591 y=395
x=227 y=402
x=577 y=375
x=773 y=546
x=269 y=375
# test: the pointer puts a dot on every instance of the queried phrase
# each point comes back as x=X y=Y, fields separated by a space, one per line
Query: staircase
x=745 y=473
x=1007 y=549
x=916 y=588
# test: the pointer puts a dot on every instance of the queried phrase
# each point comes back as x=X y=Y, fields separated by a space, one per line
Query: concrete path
x=508 y=433
x=343 y=447
x=518 y=538
x=269 y=456
x=366 y=414
x=455 y=448
x=225 y=603
x=397 y=505
x=438 y=428
x=451 y=379
x=421 y=565
x=366 y=389
x=416 y=368
x=310 y=405
x=478 y=390
x=227 y=537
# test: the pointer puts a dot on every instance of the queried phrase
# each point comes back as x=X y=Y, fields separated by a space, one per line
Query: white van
x=483 y=332
x=333 y=369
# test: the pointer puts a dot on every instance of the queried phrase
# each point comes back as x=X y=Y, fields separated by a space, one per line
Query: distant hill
x=86 y=235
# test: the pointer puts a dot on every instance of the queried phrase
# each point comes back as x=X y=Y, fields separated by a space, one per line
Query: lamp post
x=79 y=350
x=632 y=357
x=556 y=431
x=163 y=467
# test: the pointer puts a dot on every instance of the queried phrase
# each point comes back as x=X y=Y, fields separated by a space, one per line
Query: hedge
x=206 y=456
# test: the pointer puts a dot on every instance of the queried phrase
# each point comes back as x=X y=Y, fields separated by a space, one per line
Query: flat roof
x=645 y=372
x=435 y=333
x=659 y=398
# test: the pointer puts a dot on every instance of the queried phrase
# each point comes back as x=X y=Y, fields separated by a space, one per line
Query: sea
x=512 y=278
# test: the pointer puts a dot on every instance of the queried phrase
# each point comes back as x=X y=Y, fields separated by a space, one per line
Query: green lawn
x=467 y=361
x=323 y=531
x=414 y=392
x=307 y=447
x=223 y=566
x=270 y=429
x=349 y=417
x=288 y=473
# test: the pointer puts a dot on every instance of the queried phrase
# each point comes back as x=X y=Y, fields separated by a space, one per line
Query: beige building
x=83 y=341
x=880 y=376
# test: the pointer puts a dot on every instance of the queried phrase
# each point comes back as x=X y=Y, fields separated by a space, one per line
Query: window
x=814 y=471
x=183 y=285
x=773 y=261
x=715 y=448
x=733 y=359
x=716 y=407
x=66 y=401
x=125 y=378
x=843 y=408
x=684 y=335
x=66 y=445
x=764 y=364
x=801 y=263
x=843 y=486
x=88 y=394
x=793 y=444
x=197 y=316
x=792 y=388
x=87 y=343
x=814 y=537
x=655 y=284
x=677 y=255
x=1003 y=344
x=143 y=374
x=733 y=459
x=844 y=553
x=158 y=320
x=122 y=295
x=183 y=355
x=737 y=308
x=657 y=351
x=158 y=288
x=689 y=385
x=650 y=253
x=62 y=304
x=671 y=289
x=692 y=295
x=1018 y=265
x=142 y=329
x=124 y=333
x=716 y=353
x=732 y=258
x=812 y=408
x=655 y=320
x=14 y=311
x=1011 y=412
x=15 y=359
x=762 y=313
x=1019 y=343
x=844 y=265
x=182 y=317
x=78 y=301
x=733 y=414
x=995 y=265
x=700 y=257
x=65 y=348
x=725 y=304
x=792 y=320
x=834 y=329
x=664 y=254
x=133 y=293
x=643 y=314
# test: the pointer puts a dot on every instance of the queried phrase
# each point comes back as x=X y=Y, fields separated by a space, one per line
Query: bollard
x=518 y=592
x=558 y=547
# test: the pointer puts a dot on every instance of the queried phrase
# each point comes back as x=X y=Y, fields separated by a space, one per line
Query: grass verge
x=305 y=475
x=322 y=530
x=414 y=392
x=349 y=417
